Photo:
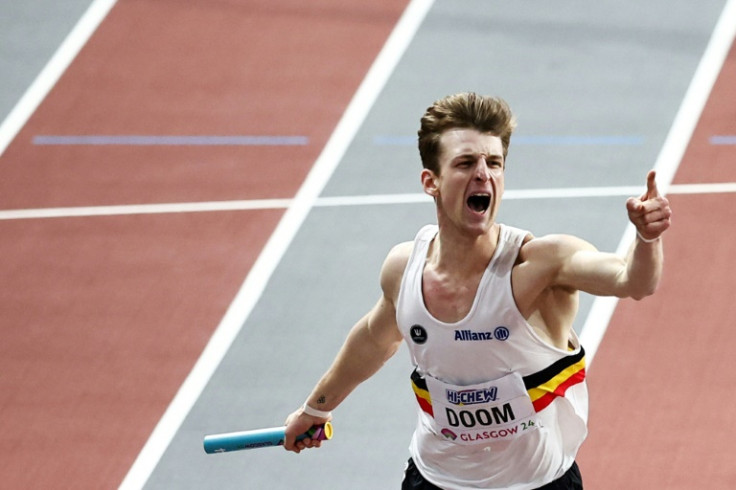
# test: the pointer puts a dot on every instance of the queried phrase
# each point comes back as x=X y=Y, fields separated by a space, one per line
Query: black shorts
x=571 y=480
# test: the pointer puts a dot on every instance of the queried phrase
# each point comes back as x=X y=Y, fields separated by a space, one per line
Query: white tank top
x=498 y=407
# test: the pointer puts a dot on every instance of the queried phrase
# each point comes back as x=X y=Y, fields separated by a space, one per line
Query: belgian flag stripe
x=541 y=402
x=555 y=380
x=555 y=383
x=546 y=374
x=419 y=385
x=543 y=386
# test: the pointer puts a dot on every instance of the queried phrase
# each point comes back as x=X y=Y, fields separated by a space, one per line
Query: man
x=487 y=312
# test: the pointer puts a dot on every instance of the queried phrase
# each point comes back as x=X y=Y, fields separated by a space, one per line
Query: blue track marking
x=171 y=140
x=538 y=140
x=728 y=139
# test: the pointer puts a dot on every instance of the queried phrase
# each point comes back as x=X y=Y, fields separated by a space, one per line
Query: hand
x=651 y=212
x=297 y=424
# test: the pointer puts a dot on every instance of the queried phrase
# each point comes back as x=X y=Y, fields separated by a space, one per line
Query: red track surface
x=661 y=415
x=104 y=317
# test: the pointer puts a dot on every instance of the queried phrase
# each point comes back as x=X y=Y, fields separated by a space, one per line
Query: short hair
x=464 y=110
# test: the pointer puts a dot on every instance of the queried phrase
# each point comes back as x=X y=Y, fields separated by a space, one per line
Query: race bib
x=480 y=413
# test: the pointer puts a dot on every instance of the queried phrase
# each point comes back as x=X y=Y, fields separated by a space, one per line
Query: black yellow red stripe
x=419 y=385
x=552 y=382
x=543 y=386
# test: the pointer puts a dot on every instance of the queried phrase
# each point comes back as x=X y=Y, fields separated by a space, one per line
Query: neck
x=464 y=253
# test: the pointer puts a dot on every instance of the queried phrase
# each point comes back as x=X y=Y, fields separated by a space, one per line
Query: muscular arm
x=370 y=343
x=603 y=274
x=638 y=273
x=552 y=269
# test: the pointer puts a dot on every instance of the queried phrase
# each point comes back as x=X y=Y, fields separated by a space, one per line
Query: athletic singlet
x=497 y=406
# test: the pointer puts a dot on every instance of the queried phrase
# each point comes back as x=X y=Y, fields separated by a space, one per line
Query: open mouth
x=479 y=202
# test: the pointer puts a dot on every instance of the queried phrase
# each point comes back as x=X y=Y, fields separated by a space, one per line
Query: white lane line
x=716 y=188
x=670 y=156
x=53 y=70
x=187 y=207
x=367 y=200
x=251 y=290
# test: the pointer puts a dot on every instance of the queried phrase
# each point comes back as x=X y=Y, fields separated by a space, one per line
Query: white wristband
x=315 y=413
x=646 y=240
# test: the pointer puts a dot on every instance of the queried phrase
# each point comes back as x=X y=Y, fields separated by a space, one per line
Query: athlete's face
x=470 y=182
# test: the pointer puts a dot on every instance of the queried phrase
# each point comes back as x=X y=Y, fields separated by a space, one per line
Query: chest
x=449 y=298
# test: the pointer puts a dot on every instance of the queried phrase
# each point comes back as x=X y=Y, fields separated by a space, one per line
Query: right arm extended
x=370 y=343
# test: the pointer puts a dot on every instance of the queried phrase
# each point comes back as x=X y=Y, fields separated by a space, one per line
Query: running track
x=105 y=315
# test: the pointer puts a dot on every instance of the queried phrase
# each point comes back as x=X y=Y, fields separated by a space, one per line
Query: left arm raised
x=638 y=273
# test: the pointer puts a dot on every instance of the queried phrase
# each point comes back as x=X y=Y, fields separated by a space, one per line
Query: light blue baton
x=254 y=439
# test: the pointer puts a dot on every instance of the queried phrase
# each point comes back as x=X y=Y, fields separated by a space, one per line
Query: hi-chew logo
x=472 y=397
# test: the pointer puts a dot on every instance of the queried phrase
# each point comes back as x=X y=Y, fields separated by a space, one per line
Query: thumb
x=652 y=190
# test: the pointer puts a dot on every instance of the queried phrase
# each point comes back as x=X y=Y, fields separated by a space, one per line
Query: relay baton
x=253 y=439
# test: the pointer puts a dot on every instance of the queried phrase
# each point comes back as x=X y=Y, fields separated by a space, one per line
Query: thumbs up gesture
x=650 y=213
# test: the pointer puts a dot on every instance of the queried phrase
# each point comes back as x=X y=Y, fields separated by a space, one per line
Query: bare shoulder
x=543 y=294
x=546 y=261
x=393 y=268
x=552 y=249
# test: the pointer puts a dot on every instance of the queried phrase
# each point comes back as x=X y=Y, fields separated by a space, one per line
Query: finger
x=311 y=443
x=634 y=206
x=652 y=190
x=654 y=216
x=655 y=228
x=656 y=208
x=290 y=442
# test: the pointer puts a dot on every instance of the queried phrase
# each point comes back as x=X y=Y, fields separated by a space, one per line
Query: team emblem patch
x=418 y=334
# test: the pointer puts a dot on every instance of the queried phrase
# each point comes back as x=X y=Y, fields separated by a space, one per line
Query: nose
x=482 y=172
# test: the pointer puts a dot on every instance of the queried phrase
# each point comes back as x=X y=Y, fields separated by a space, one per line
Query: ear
x=429 y=183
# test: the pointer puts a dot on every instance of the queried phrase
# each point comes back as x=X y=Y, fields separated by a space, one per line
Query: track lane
x=659 y=417
x=120 y=194
x=105 y=316
x=203 y=68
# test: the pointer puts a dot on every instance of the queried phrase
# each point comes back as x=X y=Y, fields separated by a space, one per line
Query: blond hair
x=465 y=110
